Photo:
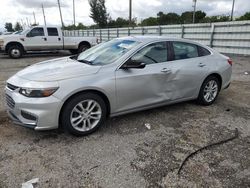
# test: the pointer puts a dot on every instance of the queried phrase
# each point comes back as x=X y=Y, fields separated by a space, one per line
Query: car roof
x=149 y=39
x=145 y=38
x=45 y=26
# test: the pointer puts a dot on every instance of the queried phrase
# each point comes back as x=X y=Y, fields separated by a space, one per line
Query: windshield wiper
x=84 y=61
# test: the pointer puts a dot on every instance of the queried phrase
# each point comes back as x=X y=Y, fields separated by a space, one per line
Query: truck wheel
x=83 y=47
x=73 y=51
x=15 y=52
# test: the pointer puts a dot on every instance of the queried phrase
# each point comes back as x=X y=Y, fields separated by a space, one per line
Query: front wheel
x=15 y=52
x=209 y=91
x=84 y=114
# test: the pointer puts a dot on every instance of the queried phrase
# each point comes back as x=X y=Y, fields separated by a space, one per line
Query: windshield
x=107 y=52
x=24 y=32
x=17 y=32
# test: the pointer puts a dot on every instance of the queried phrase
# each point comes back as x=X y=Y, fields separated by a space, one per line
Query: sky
x=22 y=10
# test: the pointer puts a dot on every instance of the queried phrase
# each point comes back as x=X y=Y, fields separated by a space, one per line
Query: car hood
x=57 y=69
x=11 y=37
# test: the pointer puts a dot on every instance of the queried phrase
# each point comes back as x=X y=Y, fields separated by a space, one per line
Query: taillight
x=230 y=62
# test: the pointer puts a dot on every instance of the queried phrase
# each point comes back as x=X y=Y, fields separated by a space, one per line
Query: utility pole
x=59 y=6
x=232 y=13
x=194 y=10
x=44 y=16
x=130 y=13
x=74 y=14
x=34 y=17
x=22 y=23
x=27 y=21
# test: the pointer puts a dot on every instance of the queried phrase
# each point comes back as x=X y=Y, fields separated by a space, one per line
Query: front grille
x=11 y=87
x=10 y=102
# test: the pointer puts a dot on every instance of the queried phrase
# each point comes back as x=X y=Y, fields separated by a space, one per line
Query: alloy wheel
x=86 y=115
x=210 y=91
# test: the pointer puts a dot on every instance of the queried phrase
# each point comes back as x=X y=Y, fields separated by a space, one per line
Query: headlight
x=28 y=92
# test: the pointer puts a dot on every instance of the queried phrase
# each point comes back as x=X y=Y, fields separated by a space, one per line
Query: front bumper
x=35 y=113
x=1 y=49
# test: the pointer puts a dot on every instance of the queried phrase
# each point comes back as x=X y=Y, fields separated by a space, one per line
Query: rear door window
x=184 y=50
x=52 y=31
x=203 y=51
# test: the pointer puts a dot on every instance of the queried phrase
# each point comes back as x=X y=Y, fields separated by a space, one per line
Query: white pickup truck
x=43 y=38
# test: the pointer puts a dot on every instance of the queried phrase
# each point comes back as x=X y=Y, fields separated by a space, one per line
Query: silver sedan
x=117 y=77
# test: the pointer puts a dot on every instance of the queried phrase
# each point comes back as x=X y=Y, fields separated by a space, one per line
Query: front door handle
x=166 y=70
x=201 y=65
x=44 y=38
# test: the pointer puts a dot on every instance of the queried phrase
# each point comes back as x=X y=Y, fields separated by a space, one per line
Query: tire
x=75 y=117
x=73 y=51
x=15 y=52
x=82 y=48
x=207 y=94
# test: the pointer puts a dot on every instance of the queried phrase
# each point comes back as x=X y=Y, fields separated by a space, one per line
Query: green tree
x=187 y=17
x=18 y=27
x=121 y=22
x=218 y=18
x=246 y=16
x=69 y=27
x=170 y=18
x=199 y=15
x=151 y=21
x=81 y=26
x=9 y=27
x=98 y=12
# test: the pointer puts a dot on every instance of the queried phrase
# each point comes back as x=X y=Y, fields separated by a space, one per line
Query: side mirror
x=28 y=35
x=131 y=64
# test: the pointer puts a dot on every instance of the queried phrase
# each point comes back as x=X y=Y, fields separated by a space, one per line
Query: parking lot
x=125 y=152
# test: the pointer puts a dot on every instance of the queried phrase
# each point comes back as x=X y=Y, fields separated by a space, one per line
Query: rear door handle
x=59 y=38
x=166 y=70
x=44 y=38
x=201 y=65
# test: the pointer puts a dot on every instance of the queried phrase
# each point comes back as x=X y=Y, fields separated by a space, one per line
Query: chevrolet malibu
x=117 y=77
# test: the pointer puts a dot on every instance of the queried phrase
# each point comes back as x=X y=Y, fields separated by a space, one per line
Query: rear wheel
x=74 y=51
x=83 y=47
x=209 y=91
x=84 y=114
x=15 y=51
